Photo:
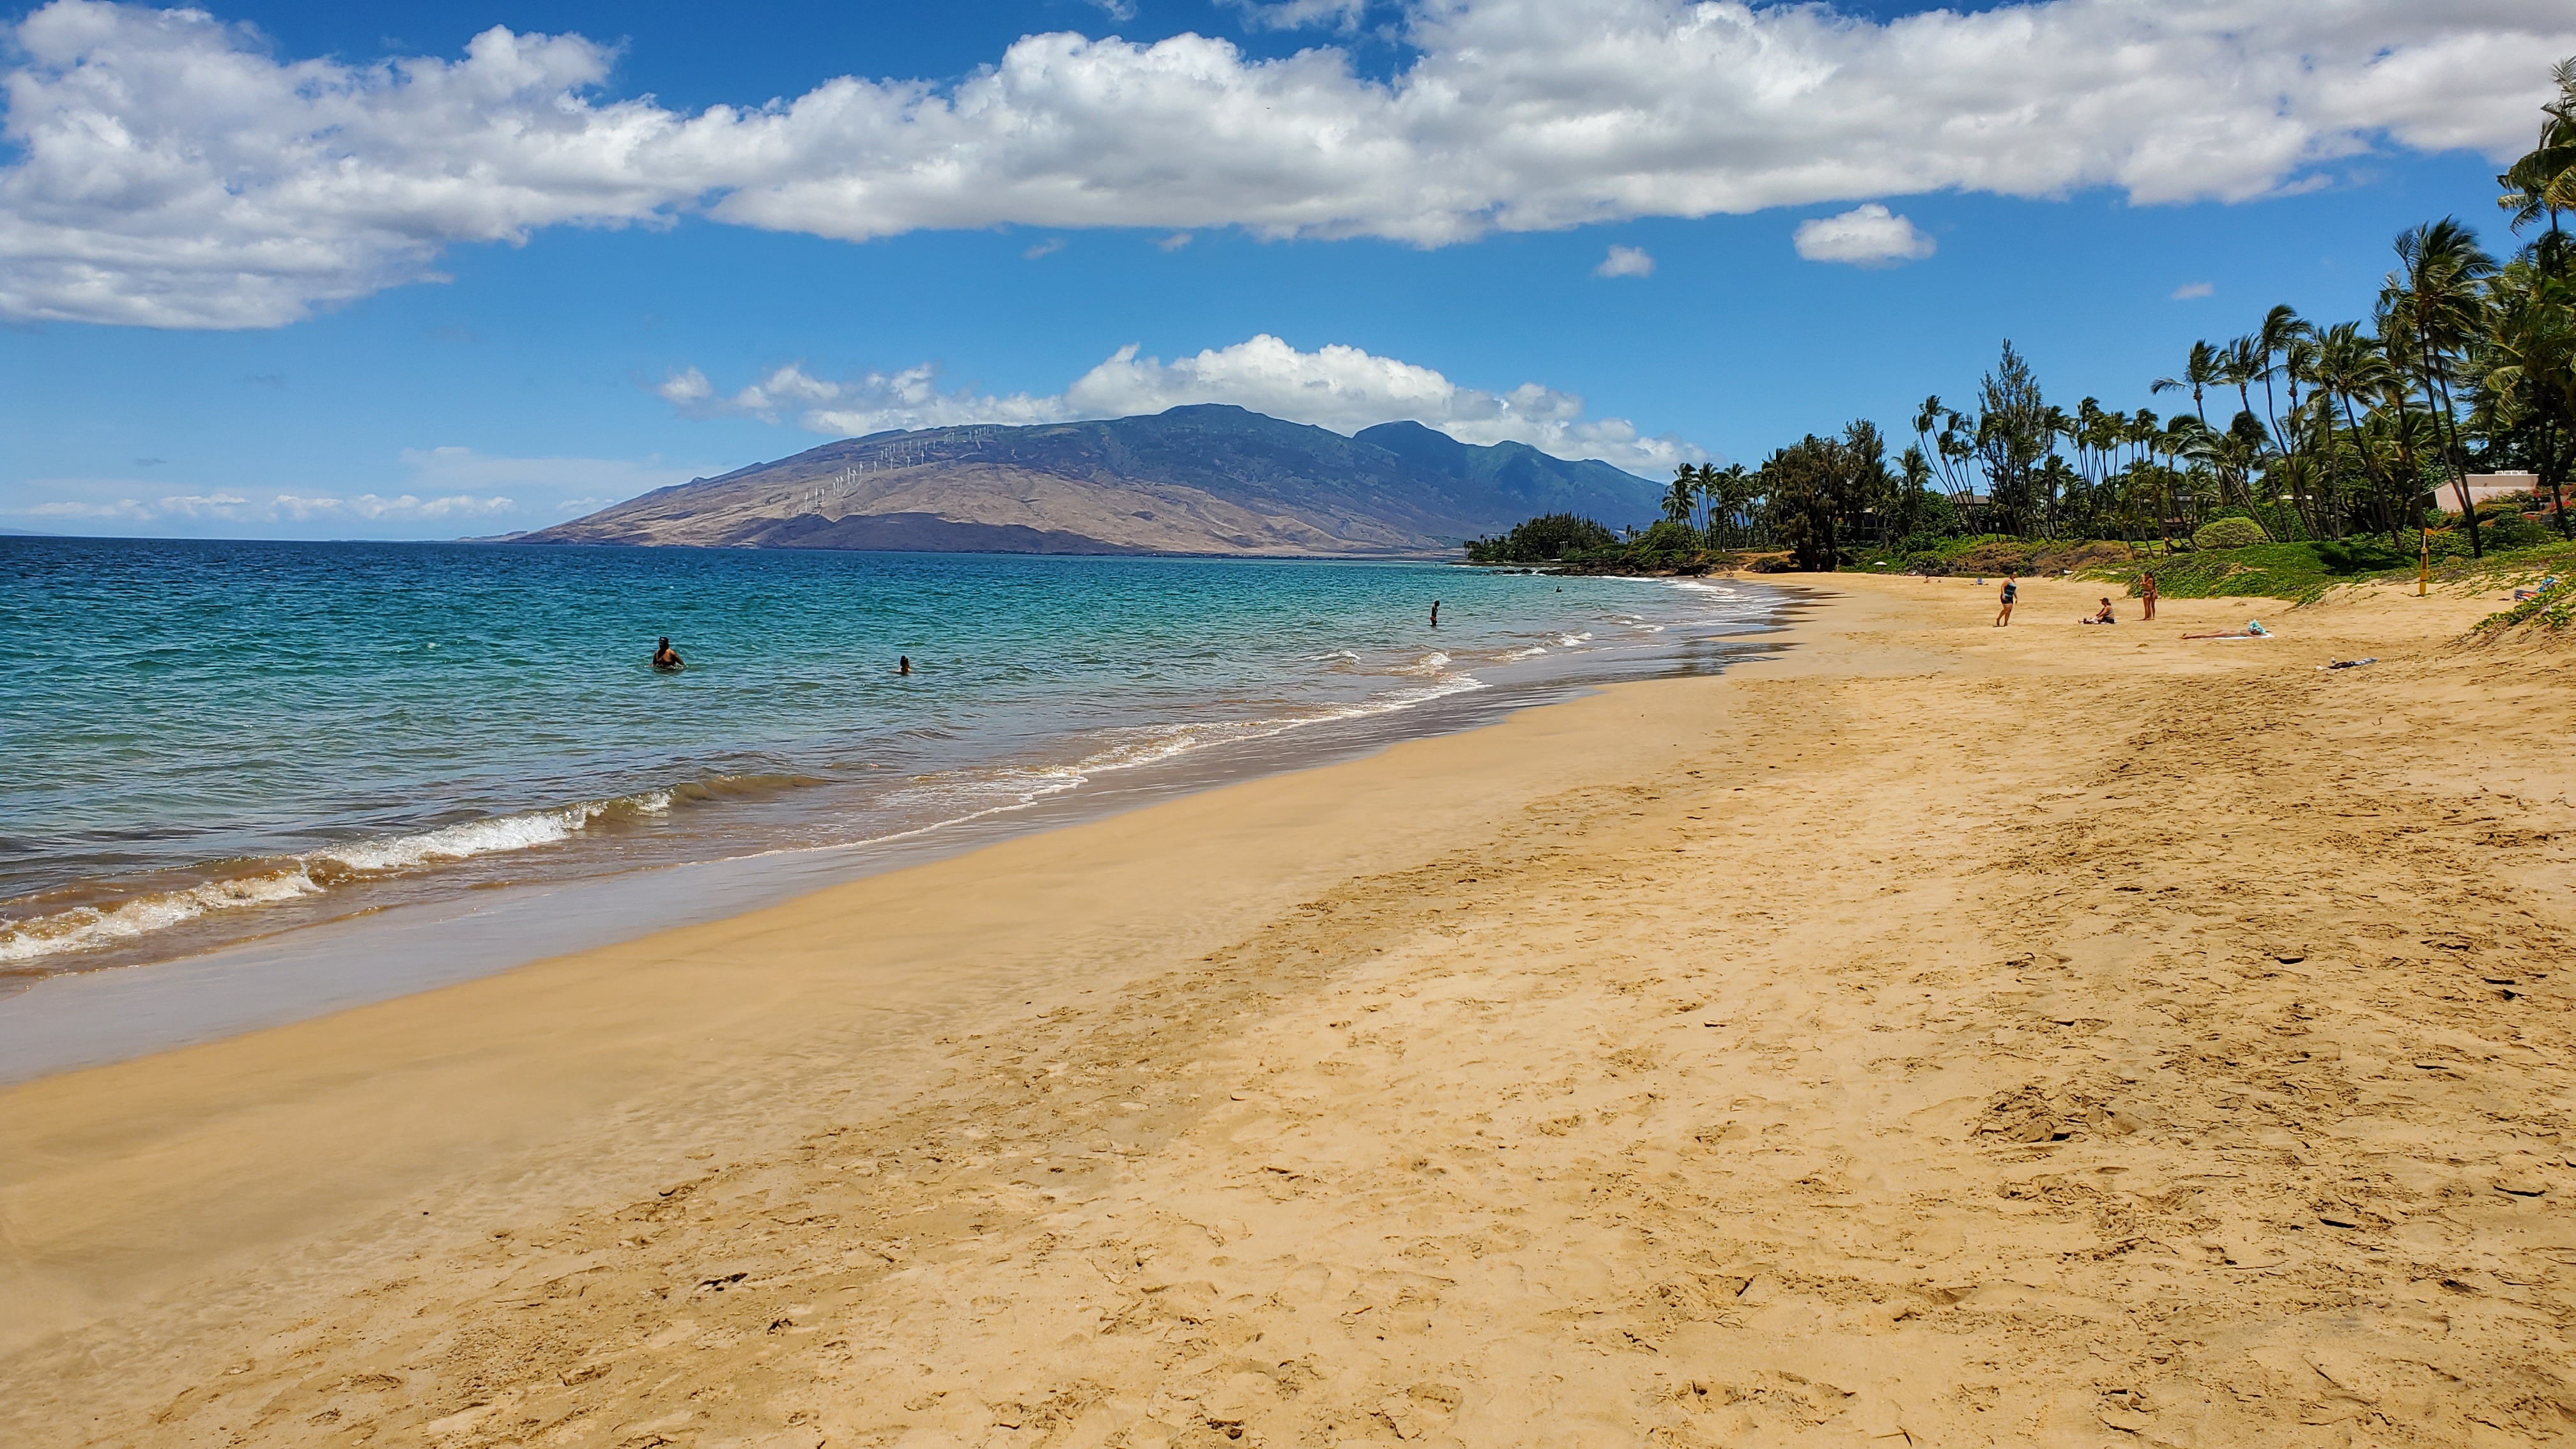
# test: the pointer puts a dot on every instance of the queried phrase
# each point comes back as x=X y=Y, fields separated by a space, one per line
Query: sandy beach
x=1930 y=1034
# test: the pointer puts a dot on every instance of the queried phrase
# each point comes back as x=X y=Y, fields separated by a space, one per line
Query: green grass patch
x=2303 y=572
x=2291 y=571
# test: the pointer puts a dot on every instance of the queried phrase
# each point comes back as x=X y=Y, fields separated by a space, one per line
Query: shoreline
x=1968 y=1035
x=786 y=747
x=96 y=1015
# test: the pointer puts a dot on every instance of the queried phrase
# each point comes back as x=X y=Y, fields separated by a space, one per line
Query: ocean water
x=202 y=742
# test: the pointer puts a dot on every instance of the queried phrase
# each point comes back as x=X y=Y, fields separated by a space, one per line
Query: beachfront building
x=2486 y=486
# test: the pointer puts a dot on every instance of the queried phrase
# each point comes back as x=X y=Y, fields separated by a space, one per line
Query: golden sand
x=1930 y=1035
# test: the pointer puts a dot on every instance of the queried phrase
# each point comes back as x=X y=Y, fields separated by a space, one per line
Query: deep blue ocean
x=207 y=740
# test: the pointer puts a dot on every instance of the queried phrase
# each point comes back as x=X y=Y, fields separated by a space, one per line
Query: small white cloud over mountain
x=1868 y=236
x=1341 y=388
x=167 y=168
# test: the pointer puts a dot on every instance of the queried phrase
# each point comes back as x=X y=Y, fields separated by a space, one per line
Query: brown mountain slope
x=1201 y=479
x=979 y=506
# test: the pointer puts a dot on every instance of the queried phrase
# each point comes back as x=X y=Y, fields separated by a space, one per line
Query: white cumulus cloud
x=168 y=169
x=1626 y=262
x=1341 y=388
x=1868 y=235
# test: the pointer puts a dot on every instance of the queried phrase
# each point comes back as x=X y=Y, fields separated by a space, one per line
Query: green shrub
x=2360 y=555
x=2512 y=530
x=2229 y=533
x=1666 y=537
x=1544 y=539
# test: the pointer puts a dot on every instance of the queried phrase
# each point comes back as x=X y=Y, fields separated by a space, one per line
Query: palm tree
x=2204 y=368
x=2543 y=181
x=2281 y=336
x=2435 y=303
x=2351 y=365
x=1683 y=496
x=2241 y=364
x=2527 y=368
x=1948 y=451
x=2199 y=371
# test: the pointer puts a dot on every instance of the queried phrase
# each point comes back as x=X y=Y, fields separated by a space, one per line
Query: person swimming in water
x=666 y=658
x=903 y=664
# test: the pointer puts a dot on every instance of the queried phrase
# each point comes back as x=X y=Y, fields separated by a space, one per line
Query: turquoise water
x=208 y=740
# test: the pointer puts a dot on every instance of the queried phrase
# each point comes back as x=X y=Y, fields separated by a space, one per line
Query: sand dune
x=1931 y=1035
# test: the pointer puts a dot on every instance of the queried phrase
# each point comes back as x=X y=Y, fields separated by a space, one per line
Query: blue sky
x=399 y=355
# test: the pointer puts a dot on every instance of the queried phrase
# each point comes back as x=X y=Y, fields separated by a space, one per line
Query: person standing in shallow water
x=666 y=658
x=903 y=664
x=1435 y=613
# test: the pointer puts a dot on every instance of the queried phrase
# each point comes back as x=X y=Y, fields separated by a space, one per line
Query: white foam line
x=89 y=927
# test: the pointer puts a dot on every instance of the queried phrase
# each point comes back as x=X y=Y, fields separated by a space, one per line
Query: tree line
x=2349 y=430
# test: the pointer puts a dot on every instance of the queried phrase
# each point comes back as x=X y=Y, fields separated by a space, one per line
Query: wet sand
x=1931 y=1034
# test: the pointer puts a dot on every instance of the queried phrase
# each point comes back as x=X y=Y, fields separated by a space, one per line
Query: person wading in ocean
x=666 y=658
x=1435 y=613
x=903 y=664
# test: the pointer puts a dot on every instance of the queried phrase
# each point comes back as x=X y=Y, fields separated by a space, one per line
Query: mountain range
x=1204 y=479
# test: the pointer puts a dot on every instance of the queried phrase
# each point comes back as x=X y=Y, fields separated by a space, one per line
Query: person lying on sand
x=2253 y=630
x=666 y=658
x=2101 y=615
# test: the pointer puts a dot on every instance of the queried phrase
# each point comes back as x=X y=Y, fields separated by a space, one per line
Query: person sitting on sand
x=2101 y=615
x=2147 y=596
x=2012 y=590
x=2253 y=630
x=666 y=658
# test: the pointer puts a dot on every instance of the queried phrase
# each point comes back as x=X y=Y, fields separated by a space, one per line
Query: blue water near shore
x=208 y=740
